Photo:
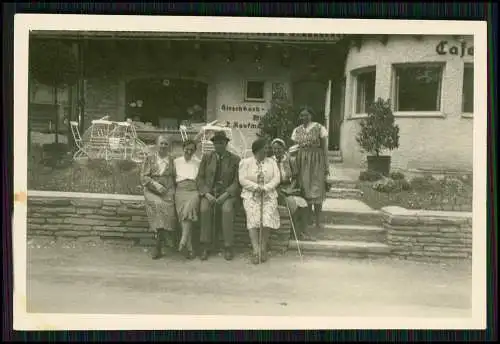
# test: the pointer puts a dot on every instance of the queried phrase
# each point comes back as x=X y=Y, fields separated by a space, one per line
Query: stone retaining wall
x=428 y=235
x=115 y=218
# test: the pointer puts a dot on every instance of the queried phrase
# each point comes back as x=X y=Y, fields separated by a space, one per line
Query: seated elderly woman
x=187 y=199
x=259 y=176
x=158 y=181
x=288 y=190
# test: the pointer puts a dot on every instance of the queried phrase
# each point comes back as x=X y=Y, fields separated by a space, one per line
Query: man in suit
x=219 y=189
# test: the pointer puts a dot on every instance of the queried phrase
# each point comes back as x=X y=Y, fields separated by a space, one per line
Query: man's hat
x=219 y=136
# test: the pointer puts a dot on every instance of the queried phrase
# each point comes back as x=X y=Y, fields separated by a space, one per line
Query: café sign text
x=445 y=48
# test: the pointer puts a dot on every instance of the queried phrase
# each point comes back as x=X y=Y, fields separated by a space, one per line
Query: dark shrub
x=397 y=175
x=100 y=167
x=424 y=183
x=54 y=154
x=386 y=185
x=370 y=176
x=403 y=185
x=125 y=165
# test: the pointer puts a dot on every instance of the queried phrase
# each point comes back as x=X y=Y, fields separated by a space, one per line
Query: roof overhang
x=200 y=36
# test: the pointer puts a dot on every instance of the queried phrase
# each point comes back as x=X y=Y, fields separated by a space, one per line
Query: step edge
x=346 y=211
x=355 y=227
x=333 y=243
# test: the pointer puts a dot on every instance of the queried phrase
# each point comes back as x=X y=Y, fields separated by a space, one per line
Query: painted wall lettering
x=242 y=108
x=444 y=48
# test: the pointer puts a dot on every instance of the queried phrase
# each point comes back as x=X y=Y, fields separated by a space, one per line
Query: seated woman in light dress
x=288 y=189
x=158 y=181
x=259 y=176
x=187 y=199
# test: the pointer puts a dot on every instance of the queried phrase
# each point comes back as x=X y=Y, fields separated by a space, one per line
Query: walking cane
x=294 y=231
x=261 y=225
x=215 y=233
x=261 y=183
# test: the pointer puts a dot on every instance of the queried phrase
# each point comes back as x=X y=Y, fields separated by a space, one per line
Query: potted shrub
x=378 y=133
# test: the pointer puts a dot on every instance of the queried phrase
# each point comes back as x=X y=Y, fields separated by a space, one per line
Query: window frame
x=467 y=65
x=395 y=85
x=254 y=100
x=355 y=73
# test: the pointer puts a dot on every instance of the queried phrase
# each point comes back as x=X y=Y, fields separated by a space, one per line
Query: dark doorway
x=336 y=113
x=166 y=102
x=313 y=93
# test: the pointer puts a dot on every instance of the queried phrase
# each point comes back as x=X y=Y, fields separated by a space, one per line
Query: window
x=364 y=89
x=468 y=89
x=417 y=88
x=254 y=91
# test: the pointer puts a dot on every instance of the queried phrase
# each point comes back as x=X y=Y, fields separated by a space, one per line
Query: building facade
x=430 y=81
x=163 y=80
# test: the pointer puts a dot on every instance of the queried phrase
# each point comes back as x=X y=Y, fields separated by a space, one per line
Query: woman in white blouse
x=187 y=200
x=259 y=177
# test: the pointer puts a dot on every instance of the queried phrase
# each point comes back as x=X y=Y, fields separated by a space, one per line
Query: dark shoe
x=190 y=255
x=306 y=237
x=264 y=256
x=169 y=240
x=204 y=254
x=158 y=249
x=186 y=253
x=228 y=254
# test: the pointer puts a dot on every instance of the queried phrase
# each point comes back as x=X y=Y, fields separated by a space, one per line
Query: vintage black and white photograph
x=249 y=168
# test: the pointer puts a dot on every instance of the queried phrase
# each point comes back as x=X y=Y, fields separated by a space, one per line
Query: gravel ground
x=69 y=277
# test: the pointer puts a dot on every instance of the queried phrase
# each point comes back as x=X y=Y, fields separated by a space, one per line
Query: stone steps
x=350 y=229
x=350 y=212
x=342 y=183
x=344 y=193
x=338 y=248
x=352 y=233
x=335 y=159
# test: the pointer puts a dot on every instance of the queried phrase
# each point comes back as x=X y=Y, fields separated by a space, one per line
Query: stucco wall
x=442 y=141
x=226 y=86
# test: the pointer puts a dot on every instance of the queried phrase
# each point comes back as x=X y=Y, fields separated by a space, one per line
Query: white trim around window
x=467 y=65
x=254 y=99
x=395 y=95
x=354 y=92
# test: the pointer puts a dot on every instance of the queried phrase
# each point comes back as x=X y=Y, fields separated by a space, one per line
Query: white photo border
x=24 y=23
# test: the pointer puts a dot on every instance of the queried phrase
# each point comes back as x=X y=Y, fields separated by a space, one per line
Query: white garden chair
x=184 y=134
x=207 y=133
x=124 y=143
x=80 y=152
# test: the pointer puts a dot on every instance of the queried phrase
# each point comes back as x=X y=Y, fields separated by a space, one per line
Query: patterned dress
x=160 y=208
x=252 y=174
x=311 y=161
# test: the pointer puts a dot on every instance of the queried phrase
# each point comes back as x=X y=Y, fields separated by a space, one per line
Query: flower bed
x=429 y=193
x=98 y=176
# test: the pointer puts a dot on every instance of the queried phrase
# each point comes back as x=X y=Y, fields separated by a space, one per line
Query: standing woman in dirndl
x=312 y=162
x=158 y=181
